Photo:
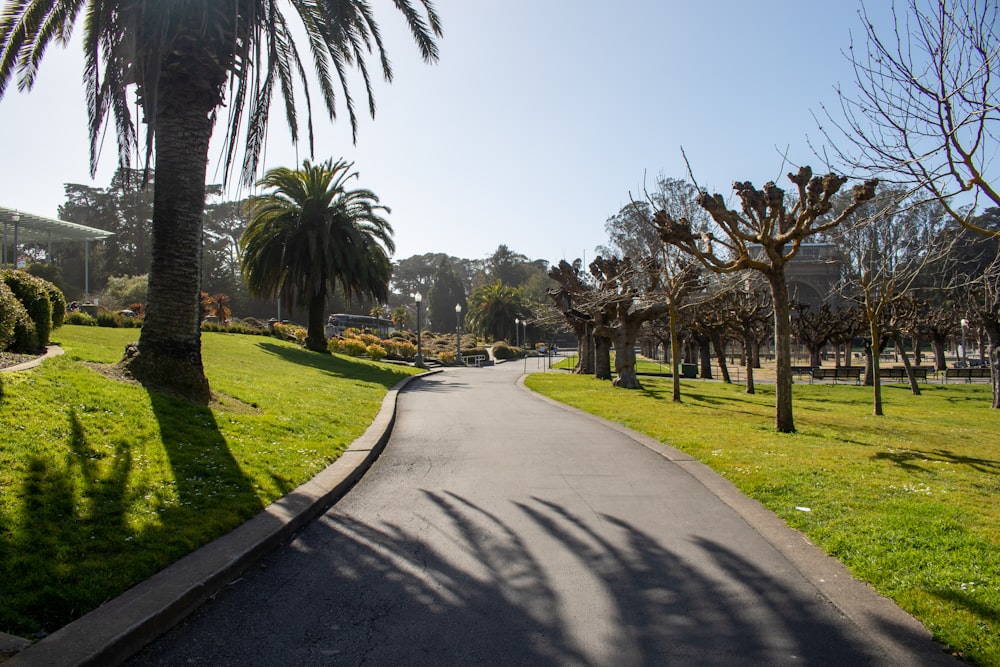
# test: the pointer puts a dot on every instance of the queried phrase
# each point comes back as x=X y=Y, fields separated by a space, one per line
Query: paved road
x=499 y=529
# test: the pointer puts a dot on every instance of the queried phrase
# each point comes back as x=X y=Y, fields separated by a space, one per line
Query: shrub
x=335 y=345
x=406 y=350
x=33 y=293
x=502 y=351
x=58 y=301
x=285 y=331
x=354 y=347
x=446 y=357
x=475 y=352
x=375 y=352
x=81 y=318
x=111 y=320
x=123 y=290
x=11 y=311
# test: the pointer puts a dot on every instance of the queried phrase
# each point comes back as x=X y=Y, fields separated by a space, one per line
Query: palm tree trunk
x=168 y=354
x=315 y=329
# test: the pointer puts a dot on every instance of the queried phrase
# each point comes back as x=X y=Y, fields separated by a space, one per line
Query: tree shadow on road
x=352 y=592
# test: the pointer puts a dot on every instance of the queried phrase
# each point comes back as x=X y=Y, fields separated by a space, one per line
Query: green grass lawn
x=909 y=501
x=103 y=483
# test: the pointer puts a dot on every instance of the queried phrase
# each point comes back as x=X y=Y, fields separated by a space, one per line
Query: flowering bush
x=354 y=347
x=375 y=352
x=405 y=349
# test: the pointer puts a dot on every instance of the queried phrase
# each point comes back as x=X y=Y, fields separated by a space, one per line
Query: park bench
x=899 y=373
x=802 y=370
x=837 y=374
x=967 y=374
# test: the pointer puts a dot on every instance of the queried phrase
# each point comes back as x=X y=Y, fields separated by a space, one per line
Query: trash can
x=689 y=370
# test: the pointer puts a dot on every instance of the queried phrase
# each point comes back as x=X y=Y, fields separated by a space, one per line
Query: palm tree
x=493 y=310
x=311 y=234
x=182 y=57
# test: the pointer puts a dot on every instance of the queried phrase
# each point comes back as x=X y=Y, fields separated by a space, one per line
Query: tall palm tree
x=311 y=234
x=493 y=309
x=182 y=56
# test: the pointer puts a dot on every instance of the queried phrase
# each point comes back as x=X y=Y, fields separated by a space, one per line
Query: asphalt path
x=500 y=529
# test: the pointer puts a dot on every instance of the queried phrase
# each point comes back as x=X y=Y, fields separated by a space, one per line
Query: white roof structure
x=31 y=228
x=18 y=227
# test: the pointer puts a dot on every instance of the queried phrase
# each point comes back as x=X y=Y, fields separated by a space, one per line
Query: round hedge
x=11 y=311
x=33 y=293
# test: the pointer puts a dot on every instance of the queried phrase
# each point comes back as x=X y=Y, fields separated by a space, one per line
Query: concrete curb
x=50 y=351
x=118 y=629
x=901 y=636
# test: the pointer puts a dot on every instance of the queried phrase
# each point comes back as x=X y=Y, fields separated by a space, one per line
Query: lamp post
x=419 y=362
x=517 y=331
x=16 y=219
x=965 y=328
x=458 y=333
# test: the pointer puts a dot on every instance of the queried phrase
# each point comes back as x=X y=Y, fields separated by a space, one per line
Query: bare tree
x=749 y=311
x=814 y=329
x=886 y=249
x=926 y=108
x=671 y=276
x=764 y=235
x=574 y=298
x=624 y=309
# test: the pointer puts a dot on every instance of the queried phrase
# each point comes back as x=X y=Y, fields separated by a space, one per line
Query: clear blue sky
x=540 y=118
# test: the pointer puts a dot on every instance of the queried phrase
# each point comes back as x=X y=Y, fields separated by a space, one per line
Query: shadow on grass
x=90 y=529
x=330 y=364
x=909 y=459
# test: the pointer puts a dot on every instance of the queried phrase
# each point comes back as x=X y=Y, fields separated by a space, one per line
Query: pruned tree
x=981 y=297
x=926 y=108
x=901 y=322
x=814 y=329
x=763 y=236
x=574 y=294
x=622 y=310
x=886 y=247
x=748 y=312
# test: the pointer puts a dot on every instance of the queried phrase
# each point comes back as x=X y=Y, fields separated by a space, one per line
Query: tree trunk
x=748 y=344
x=585 y=347
x=602 y=357
x=705 y=355
x=720 y=353
x=914 y=387
x=873 y=360
x=992 y=326
x=168 y=353
x=625 y=356
x=315 y=329
x=814 y=356
x=937 y=346
x=675 y=355
x=783 y=418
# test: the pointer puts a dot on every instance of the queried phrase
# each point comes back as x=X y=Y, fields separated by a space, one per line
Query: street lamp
x=419 y=363
x=965 y=328
x=517 y=331
x=458 y=333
